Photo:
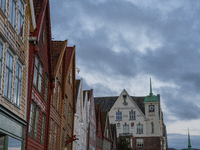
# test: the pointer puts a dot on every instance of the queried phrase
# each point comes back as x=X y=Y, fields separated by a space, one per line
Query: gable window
x=1 y=58
x=36 y=122
x=18 y=78
x=31 y=120
x=58 y=96
x=50 y=132
x=132 y=115
x=65 y=105
x=46 y=88
x=3 y=5
x=37 y=81
x=20 y=19
x=12 y=12
x=140 y=142
x=125 y=128
x=118 y=115
x=70 y=116
x=8 y=76
x=43 y=128
x=152 y=127
x=139 y=128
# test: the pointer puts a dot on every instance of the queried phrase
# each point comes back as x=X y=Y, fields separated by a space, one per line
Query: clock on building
x=151 y=108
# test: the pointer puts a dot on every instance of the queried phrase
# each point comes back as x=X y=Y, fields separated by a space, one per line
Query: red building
x=39 y=79
x=99 y=129
x=92 y=122
x=107 y=135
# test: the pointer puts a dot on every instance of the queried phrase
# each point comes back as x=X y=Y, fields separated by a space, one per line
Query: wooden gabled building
x=63 y=96
x=107 y=135
x=15 y=25
x=99 y=127
x=39 y=79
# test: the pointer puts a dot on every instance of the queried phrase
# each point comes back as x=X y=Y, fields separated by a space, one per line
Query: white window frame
x=1 y=5
x=139 y=128
x=140 y=142
x=126 y=128
x=12 y=77
x=1 y=64
x=21 y=18
x=118 y=115
x=132 y=115
x=14 y=10
x=20 y=80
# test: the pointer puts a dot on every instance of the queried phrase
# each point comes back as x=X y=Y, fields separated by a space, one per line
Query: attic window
x=125 y=103
x=124 y=96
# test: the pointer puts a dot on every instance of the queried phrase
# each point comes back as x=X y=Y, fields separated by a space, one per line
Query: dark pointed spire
x=189 y=144
x=150 y=89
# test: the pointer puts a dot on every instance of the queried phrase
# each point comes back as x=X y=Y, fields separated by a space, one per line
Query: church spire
x=189 y=144
x=150 y=89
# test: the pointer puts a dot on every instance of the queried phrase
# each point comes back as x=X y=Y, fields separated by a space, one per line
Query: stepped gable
x=56 y=48
x=139 y=102
x=106 y=102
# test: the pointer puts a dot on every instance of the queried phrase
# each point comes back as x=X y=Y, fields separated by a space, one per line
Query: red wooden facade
x=39 y=79
x=99 y=129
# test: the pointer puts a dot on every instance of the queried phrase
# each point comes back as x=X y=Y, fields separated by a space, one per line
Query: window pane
x=32 y=113
x=14 y=144
x=43 y=128
x=2 y=138
x=46 y=88
x=36 y=122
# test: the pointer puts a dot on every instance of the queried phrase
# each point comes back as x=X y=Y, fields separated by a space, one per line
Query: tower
x=152 y=110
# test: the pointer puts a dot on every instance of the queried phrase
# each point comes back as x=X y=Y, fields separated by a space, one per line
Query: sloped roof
x=104 y=115
x=108 y=102
x=56 y=48
x=69 y=54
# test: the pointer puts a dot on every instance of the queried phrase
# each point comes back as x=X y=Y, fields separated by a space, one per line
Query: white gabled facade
x=78 y=117
x=128 y=117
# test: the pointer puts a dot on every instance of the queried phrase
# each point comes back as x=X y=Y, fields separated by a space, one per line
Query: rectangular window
x=152 y=127
x=58 y=96
x=31 y=120
x=63 y=139
x=3 y=5
x=140 y=128
x=36 y=122
x=8 y=76
x=50 y=132
x=65 y=105
x=37 y=81
x=14 y=144
x=20 y=19
x=70 y=116
x=140 y=142
x=43 y=128
x=118 y=115
x=12 y=12
x=132 y=115
x=1 y=58
x=55 y=135
x=18 y=78
x=125 y=128
x=46 y=88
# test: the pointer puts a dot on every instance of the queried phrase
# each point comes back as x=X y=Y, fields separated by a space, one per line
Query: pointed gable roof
x=56 y=48
x=108 y=102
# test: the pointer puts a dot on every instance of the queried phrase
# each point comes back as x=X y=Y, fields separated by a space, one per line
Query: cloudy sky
x=122 y=43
